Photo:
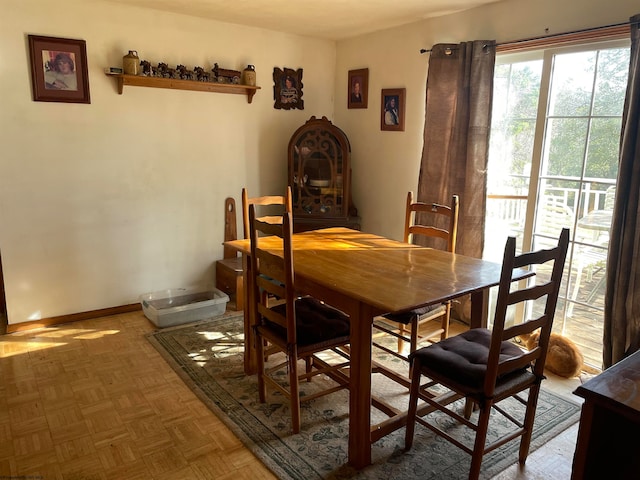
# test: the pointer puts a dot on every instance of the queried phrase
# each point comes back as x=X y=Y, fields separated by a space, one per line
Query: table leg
x=250 y=361
x=580 y=462
x=360 y=387
x=479 y=309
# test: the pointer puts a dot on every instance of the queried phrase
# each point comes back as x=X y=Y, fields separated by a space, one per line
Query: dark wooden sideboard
x=608 y=437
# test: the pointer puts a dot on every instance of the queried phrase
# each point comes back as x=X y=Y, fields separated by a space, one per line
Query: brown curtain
x=622 y=297
x=456 y=134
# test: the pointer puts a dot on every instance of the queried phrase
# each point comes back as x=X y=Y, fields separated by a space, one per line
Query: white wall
x=386 y=164
x=100 y=203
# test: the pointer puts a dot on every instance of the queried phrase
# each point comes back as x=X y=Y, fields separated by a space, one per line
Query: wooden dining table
x=366 y=275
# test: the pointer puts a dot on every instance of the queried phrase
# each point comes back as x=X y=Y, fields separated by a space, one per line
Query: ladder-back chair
x=432 y=220
x=485 y=366
x=298 y=327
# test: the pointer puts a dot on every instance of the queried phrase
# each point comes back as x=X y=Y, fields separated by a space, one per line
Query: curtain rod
x=591 y=29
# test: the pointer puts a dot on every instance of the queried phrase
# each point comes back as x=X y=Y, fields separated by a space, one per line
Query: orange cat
x=563 y=358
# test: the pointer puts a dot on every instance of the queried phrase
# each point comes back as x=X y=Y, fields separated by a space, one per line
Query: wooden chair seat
x=464 y=359
x=234 y=264
x=318 y=326
x=413 y=315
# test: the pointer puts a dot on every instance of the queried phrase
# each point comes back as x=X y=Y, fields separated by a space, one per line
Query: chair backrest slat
x=529 y=293
x=534 y=258
x=272 y=315
x=429 y=232
x=524 y=328
x=515 y=363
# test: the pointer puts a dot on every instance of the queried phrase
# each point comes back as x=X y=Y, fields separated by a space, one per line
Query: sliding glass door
x=553 y=163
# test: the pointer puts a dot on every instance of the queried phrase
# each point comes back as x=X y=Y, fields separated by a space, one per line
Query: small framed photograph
x=392 y=110
x=59 y=70
x=287 y=89
x=358 y=94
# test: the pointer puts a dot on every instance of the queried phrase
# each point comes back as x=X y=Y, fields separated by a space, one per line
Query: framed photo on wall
x=59 y=70
x=287 y=89
x=358 y=93
x=392 y=109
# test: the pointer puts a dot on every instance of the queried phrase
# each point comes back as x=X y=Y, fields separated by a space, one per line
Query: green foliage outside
x=586 y=102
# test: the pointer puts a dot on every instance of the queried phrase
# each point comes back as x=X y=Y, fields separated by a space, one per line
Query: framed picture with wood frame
x=358 y=93
x=287 y=89
x=59 y=70
x=392 y=109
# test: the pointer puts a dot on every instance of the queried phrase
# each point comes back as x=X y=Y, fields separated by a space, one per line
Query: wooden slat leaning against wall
x=3 y=303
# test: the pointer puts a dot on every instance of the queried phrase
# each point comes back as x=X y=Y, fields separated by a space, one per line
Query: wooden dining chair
x=427 y=220
x=486 y=367
x=229 y=273
x=298 y=327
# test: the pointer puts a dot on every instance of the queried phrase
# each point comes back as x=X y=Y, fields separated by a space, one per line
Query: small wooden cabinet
x=319 y=156
x=608 y=445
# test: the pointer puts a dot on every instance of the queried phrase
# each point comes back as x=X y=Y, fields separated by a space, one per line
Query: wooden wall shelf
x=158 y=82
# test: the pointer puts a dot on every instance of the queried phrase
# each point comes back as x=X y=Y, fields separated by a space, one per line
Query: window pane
x=501 y=76
x=604 y=146
x=556 y=207
x=511 y=148
x=565 y=143
x=513 y=121
x=572 y=84
x=611 y=81
x=524 y=90
x=584 y=332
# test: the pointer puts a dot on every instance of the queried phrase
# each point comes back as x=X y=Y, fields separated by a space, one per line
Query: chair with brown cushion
x=485 y=366
x=426 y=220
x=298 y=327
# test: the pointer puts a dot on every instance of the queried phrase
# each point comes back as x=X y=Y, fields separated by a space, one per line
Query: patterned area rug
x=208 y=356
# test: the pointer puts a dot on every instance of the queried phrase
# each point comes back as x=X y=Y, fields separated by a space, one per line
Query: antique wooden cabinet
x=319 y=170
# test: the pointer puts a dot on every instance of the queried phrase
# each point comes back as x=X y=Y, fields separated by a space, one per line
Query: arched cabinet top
x=319 y=170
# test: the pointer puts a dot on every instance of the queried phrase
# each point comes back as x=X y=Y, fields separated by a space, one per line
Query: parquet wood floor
x=93 y=400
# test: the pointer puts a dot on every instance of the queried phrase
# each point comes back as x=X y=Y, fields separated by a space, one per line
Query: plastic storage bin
x=183 y=305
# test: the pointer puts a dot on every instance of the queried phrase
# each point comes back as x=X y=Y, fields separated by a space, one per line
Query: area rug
x=208 y=356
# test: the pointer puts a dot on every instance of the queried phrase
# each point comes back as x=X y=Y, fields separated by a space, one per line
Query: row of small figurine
x=199 y=74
